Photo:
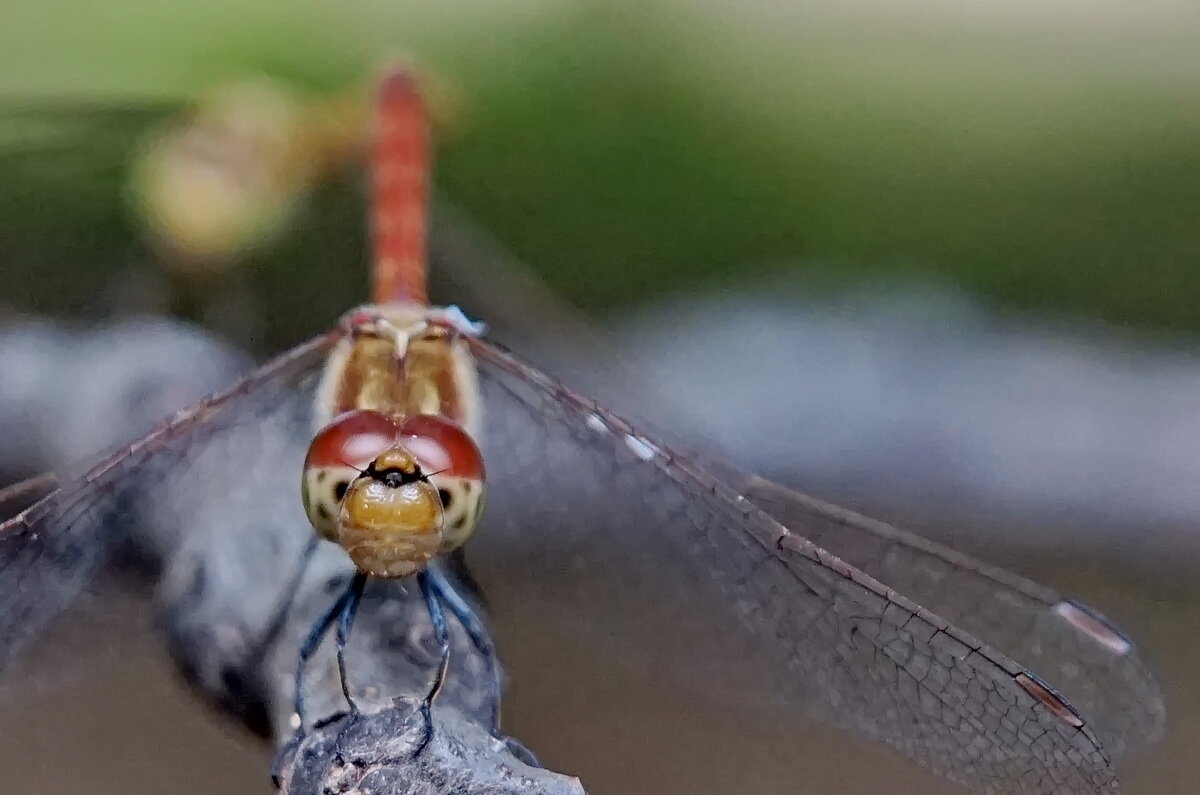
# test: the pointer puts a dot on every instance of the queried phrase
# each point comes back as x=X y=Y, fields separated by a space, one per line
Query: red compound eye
x=357 y=437
x=441 y=446
x=352 y=439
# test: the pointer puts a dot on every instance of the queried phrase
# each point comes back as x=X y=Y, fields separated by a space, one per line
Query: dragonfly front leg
x=442 y=635
x=480 y=639
x=309 y=648
x=345 y=623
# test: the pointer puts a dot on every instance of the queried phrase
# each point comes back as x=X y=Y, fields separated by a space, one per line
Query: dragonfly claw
x=426 y=711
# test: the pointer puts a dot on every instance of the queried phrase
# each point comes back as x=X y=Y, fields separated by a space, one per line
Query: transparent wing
x=52 y=550
x=1072 y=646
x=15 y=497
x=647 y=550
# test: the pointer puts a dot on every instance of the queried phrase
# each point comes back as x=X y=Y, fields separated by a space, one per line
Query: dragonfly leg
x=309 y=647
x=438 y=619
x=311 y=643
x=345 y=623
x=480 y=639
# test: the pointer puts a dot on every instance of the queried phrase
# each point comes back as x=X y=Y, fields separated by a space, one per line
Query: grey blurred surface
x=916 y=390
x=70 y=392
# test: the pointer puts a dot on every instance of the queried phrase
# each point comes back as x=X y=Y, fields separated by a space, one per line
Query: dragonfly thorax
x=402 y=360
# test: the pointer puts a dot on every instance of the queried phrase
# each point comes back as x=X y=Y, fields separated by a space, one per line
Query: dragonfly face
x=373 y=480
x=390 y=519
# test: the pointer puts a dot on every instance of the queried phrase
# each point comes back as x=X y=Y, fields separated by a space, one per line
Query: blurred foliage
x=625 y=150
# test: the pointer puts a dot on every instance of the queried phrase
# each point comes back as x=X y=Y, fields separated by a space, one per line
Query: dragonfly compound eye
x=336 y=457
x=454 y=466
x=362 y=447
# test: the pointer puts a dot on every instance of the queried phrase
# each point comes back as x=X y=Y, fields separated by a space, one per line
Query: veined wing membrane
x=15 y=497
x=1074 y=648
x=633 y=541
x=50 y=551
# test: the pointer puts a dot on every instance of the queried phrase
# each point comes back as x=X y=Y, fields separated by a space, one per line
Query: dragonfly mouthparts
x=394 y=476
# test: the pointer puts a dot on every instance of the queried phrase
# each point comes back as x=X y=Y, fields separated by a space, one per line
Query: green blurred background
x=1038 y=154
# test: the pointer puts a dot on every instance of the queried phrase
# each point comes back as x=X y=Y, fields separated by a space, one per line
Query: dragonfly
x=722 y=576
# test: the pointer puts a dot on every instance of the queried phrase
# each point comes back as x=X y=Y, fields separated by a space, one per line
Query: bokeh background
x=954 y=245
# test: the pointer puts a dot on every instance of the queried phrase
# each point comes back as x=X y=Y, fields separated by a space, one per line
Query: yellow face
x=390 y=521
x=462 y=500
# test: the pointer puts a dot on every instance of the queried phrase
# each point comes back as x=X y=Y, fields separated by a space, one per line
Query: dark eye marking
x=339 y=491
x=446 y=497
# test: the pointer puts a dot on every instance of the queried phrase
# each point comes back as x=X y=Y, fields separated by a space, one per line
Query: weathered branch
x=375 y=754
x=220 y=518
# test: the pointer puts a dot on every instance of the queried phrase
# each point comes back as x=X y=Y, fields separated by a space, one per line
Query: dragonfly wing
x=1072 y=646
x=1094 y=665
x=18 y=496
x=52 y=550
x=643 y=545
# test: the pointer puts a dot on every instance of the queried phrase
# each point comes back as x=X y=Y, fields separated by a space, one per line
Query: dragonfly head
x=393 y=492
